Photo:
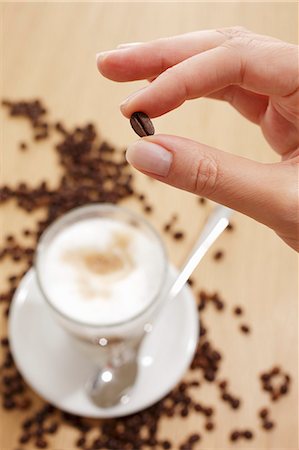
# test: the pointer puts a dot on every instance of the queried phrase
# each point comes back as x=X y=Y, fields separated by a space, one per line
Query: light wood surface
x=48 y=50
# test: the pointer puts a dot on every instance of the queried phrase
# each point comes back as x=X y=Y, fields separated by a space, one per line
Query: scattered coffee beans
x=237 y=434
x=233 y=401
x=94 y=171
x=142 y=124
x=266 y=423
x=275 y=382
x=205 y=298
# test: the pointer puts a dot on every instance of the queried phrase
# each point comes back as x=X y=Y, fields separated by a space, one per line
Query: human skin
x=257 y=75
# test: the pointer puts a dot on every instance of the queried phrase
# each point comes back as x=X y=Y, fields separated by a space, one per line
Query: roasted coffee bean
x=184 y=412
x=238 y=311
x=248 y=434
x=41 y=443
x=235 y=403
x=166 y=445
x=218 y=255
x=52 y=428
x=264 y=413
x=223 y=384
x=148 y=209
x=9 y=403
x=142 y=124
x=234 y=436
x=24 y=438
x=268 y=425
x=178 y=235
x=4 y=342
x=245 y=329
x=23 y=146
x=194 y=438
x=209 y=426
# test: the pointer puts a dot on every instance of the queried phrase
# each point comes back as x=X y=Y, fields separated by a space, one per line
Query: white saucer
x=53 y=367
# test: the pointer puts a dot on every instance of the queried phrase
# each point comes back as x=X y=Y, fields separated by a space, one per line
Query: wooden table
x=48 y=50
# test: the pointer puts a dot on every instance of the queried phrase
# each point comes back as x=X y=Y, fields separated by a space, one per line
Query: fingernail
x=123 y=104
x=129 y=44
x=149 y=157
x=102 y=55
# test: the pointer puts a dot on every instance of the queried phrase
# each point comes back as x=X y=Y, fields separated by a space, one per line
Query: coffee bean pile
x=267 y=423
x=275 y=382
x=206 y=358
x=35 y=112
x=37 y=427
x=12 y=388
x=226 y=396
x=190 y=442
x=94 y=171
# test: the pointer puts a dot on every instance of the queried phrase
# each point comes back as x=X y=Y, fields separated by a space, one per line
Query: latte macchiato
x=101 y=271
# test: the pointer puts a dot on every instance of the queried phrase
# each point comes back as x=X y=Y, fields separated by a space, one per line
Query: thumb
x=255 y=189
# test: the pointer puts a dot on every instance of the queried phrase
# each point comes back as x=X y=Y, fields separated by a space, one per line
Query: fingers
x=257 y=190
x=195 y=77
x=147 y=60
x=214 y=70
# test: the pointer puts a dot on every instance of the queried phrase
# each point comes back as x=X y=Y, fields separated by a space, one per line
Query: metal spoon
x=111 y=383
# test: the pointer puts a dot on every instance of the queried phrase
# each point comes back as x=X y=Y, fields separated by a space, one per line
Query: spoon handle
x=216 y=224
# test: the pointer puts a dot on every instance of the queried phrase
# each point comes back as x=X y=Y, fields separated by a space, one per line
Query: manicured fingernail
x=124 y=104
x=149 y=157
x=102 y=55
x=129 y=44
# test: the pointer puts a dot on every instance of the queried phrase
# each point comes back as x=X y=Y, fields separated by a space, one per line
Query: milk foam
x=101 y=271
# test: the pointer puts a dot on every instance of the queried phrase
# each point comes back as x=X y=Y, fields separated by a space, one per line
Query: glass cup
x=107 y=345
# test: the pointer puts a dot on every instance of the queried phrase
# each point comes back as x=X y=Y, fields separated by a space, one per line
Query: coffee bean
x=235 y=403
x=23 y=146
x=245 y=329
x=4 y=342
x=52 y=428
x=234 y=436
x=268 y=425
x=284 y=389
x=223 y=384
x=218 y=255
x=24 y=438
x=238 y=311
x=264 y=413
x=248 y=434
x=194 y=438
x=209 y=426
x=41 y=443
x=178 y=235
x=142 y=124
x=148 y=209
x=166 y=445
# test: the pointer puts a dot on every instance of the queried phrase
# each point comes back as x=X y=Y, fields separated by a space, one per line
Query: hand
x=257 y=75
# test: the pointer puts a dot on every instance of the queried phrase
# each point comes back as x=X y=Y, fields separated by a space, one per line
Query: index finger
x=149 y=59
